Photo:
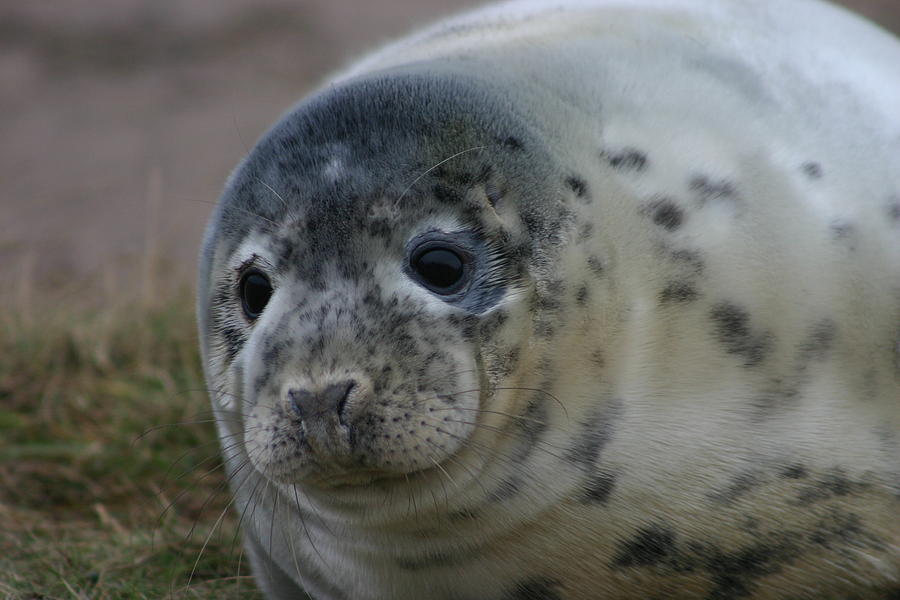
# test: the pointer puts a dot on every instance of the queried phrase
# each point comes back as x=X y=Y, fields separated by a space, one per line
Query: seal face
x=571 y=303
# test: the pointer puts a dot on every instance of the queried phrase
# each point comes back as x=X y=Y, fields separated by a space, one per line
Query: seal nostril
x=300 y=399
x=331 y=400
x=343 y=391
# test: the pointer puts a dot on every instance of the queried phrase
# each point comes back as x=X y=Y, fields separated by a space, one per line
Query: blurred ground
x=121 y=118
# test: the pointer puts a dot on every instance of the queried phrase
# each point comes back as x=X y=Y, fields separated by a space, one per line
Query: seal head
x=369 y=242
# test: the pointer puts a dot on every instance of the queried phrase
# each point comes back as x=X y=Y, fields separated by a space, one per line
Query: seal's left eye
x=255 y=290
x=439 y=268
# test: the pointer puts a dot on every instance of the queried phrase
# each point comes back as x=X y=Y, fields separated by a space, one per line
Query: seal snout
x=324 y=414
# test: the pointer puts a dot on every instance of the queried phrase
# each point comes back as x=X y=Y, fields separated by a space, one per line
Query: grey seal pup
x=572 y=301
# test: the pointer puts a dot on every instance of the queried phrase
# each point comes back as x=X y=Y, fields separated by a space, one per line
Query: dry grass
x=90 y=507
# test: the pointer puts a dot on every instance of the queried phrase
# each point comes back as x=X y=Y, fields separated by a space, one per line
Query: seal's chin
x=340 y=479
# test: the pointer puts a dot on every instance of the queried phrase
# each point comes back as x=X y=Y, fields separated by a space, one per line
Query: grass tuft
x=90 y=507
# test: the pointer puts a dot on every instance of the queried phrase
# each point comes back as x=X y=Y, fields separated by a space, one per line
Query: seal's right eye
x=255 y=290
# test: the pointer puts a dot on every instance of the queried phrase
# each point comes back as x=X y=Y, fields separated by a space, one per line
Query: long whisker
x=430 y=169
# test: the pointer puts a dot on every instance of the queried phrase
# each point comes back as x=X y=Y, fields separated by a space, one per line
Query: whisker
x=306 y=530
x=430 y=169
x=492 y=412
x=507 y=433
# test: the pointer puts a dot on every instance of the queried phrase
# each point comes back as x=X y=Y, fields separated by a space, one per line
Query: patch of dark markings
x=650 y=546
x=840 y=528
x=893 y=210
x=740 y=485
x=491 y=323
x=544 y=327
x=513 y=143
x=445 y=194
x=691 y=258
x=581 y=295
x=794 y=471
x=535 y=588
x=841 y=230
x=530 y=427
x=818 y=342
x=626 y=159
x=596 y=431
x=732 y=326
x=735 y=572
x=815 y=347
x=504 y=363
x=813 y=170
x=595 y=265
x=665 y=213
x=598 y=488
x=708 y=190
x=580 y=187
x=234 y=340
x=678 y=292
x=833 y=484
x=585 y=232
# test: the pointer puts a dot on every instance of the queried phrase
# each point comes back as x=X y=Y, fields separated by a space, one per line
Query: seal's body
x=574 y=300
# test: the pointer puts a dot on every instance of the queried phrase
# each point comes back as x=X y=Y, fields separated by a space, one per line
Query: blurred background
x=119 y=122
x=121 y=118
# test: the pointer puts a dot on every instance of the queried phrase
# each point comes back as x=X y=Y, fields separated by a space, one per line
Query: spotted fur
x=672 y=369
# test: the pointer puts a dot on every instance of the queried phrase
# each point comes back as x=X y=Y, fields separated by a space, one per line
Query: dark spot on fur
x=586 y=232
x=893 y=210
x=678 y=291
x=650 y=546
x=581 y=296
x=234 y=339
x=708 y=190
x=691 y=258
x=579 y=186
x=513 y=143
x=595 y=265
x=818 y=342
x=530 y=428
x=535 y=588
x=446 y=194
x=795 y=471
x=665 y=213
x=841 y=230
x=813 y=170
x=491 y=323
x=733 y=331
x=598 y=488
x=734 y=573
x=830 y=485
x=596 y=431
x=737 y=487
x=628 y=159
x=839 y=528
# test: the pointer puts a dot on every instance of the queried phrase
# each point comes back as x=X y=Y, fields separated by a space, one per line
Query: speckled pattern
x=670 y=368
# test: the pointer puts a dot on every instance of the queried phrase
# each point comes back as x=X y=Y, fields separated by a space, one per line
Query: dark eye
x=440 y=268
x=255 y=292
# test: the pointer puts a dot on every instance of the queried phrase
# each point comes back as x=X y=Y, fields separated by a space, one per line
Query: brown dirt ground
x=121 y=119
